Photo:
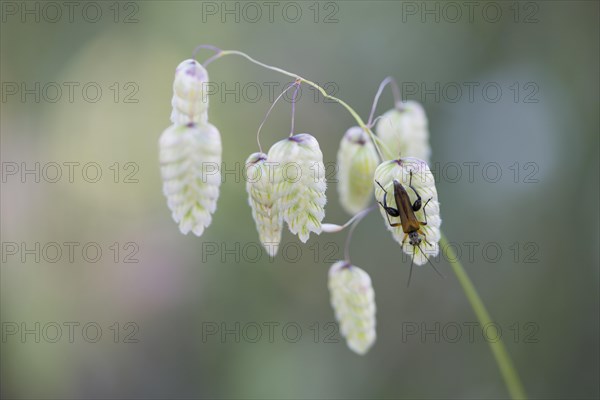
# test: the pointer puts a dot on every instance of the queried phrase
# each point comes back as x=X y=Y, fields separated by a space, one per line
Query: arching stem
x=376 y=141
x=205 y=46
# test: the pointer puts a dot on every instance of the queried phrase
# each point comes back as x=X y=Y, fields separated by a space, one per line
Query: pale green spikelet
x=299 y=183
x=259 y=185
x=353 y=301
x=190 y=93
x=424 y=183
x=356 y=161
x=405 y=132
x=190 y=157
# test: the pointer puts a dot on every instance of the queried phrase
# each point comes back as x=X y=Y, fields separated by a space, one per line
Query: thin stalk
x=204 y=46
x=294 y=107
x=507 y=369
x=388 y=80
x=267 y=115
x=359 y=217
x=333 y=228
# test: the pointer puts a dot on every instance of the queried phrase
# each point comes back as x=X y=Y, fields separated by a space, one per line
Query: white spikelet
x=356 y=161
x=190 y=93
x=353 y=300
x=190 y=157
x=299 y=183
x=405 y=131
x=424 y=183
x=259 y=185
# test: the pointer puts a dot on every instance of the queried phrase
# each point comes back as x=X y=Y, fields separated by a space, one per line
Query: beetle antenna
x=429 y=261
x=412 y=260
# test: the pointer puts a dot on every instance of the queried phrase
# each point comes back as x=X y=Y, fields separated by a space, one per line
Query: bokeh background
x=542 y=213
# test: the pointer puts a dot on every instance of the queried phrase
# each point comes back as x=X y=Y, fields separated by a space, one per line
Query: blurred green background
x=543 y=216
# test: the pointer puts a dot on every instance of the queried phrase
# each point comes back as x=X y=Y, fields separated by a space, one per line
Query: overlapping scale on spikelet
x=356 y=163
x=299 y=183
x=262 y=200
x=424 y=183
x=405 y=131
x=190 y=158
x=353 y=300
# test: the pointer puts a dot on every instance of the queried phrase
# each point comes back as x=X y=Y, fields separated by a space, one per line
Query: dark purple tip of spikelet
x=194 y=69
x=197 y=73
x=186 y=66
x=260 y=157
x=346 y=265
x=300 y=137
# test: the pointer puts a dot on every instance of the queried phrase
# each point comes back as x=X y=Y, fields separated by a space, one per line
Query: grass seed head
x=299 y=183
x=190 y=157
x=353 y=301
x=356 y=162
x=424 y=183
x=405 y=131
x=262 y=200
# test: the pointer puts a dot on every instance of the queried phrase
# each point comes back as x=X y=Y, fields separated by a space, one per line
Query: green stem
x=507 y=369
x=376 y=141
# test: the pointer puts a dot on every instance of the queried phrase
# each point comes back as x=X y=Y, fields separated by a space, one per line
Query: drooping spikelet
x=356 y=162
x=424 y=183
x=268 y=219
x=190 y=157
x=405 y=132
x=353 y=300
x=190 y=93
x=299 y=183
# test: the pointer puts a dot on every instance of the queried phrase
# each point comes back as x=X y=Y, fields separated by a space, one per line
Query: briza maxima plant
x=405 y=130
x=189 y=150
x=356 y=160
x=263 y=202
x=415 y=176
x=300 y=197
x=387 y=170
x=353 y=300
x=188 y=154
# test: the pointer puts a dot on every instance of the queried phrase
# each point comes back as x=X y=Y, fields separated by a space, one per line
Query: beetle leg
x=420 y=231
x=416 y=206
x=404 y=239
x=388 y=210
x=424 y=213
x=393 y=225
